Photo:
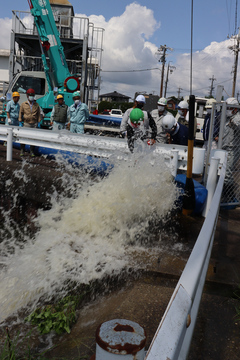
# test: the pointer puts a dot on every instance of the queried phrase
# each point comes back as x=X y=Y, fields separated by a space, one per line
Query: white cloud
x=215 y=60
x=5 y=31
x=126 y=47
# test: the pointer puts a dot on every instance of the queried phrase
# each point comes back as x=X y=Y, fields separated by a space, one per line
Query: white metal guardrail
x=106 y=147
x=173 y=336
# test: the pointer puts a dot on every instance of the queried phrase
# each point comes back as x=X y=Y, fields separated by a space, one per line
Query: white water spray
x=85 y=238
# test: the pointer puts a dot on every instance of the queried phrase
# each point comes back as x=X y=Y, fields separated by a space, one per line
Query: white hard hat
x=232 y=101
x=168 y=121
x=162 y=101
x=140 y=98
x=183 y=105
x=209 y=103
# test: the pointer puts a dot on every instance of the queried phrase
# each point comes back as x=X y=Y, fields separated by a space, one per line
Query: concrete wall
x=4 y=65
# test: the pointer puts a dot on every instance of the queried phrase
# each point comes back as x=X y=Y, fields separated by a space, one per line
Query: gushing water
x=87 y=236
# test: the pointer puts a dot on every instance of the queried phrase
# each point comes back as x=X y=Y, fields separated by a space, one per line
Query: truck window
x=25 y=82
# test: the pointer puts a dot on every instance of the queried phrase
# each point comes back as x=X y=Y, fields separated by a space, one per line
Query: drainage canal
x=64 y=227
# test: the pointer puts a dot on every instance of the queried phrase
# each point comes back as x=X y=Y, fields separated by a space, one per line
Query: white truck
x=116 y=113
x=200 y=113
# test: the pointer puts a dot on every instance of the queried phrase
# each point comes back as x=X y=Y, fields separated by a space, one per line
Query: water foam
x=86 y=237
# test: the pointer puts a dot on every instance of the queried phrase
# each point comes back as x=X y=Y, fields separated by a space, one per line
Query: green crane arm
x=52 y=47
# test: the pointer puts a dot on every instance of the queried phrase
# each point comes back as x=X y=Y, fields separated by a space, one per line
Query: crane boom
x=51 y=47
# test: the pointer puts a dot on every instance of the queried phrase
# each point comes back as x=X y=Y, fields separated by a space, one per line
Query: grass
x=11 y=352
x=10 y=349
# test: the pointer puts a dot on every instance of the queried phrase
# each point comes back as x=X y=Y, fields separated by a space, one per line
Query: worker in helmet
x=78 y=113
x=183 y=115
x=206 y=125
x=158 y=115
x=30 y=115
x=138 y=103
x=177 y=133
x=12 y=110
x=149 y=126
x=60 y=114
x=138 y=128
x=230 y=143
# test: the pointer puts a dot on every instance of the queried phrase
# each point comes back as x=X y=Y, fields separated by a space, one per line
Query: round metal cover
x=121 y=336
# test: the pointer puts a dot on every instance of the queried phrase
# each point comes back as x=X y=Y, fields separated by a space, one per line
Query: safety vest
x=60 y=113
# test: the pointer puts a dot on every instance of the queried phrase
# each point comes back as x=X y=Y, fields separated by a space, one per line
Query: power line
x=121 y=71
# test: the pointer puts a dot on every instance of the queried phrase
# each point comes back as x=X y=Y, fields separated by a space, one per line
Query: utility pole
x=179 y=90
x=235 y=49
x=169 y=68
x=162 y=53
x=211 y=87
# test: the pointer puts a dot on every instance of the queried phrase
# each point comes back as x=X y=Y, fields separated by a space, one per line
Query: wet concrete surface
x=144 y=298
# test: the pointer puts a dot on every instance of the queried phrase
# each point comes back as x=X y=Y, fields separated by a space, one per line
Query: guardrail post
x=211 y=182
x=174 y=162
x=9 y=144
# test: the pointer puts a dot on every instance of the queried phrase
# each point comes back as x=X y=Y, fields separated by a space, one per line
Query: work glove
x=39 y=125
x=20 y=123
x=123 y=134
x=151 y=142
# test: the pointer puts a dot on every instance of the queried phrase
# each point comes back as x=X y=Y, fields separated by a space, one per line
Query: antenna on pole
x=191 y=49
x=189 y=191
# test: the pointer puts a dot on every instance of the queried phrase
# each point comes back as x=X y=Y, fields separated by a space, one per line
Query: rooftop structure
x=81 y=40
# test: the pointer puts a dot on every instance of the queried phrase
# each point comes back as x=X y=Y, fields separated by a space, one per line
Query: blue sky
x=143 y=26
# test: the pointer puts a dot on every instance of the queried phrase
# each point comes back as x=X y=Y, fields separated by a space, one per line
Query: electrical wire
x=121 y=71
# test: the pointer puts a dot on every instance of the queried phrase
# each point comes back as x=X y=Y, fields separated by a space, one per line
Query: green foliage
x=104 y=105
x=58 y=318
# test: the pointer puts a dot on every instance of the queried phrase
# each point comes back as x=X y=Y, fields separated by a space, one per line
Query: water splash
x=86 y=236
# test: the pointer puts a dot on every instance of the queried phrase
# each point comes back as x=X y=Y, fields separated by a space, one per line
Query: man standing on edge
x=158 y=115
x=79 y=113
x=30 y=115
x=12 y=110
x=60 y=114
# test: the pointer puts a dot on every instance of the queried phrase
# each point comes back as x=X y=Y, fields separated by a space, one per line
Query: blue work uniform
x=181 y=137
x=13 y=109
x=206 y=126
x=78 y=115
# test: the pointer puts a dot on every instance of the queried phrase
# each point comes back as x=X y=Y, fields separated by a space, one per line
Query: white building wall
x=4 y=65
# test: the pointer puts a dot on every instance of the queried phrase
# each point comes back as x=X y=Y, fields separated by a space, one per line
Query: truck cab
x=21 y=82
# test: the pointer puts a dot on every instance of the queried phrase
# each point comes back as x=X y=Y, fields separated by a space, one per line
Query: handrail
x=173 y=337
x=175 y=156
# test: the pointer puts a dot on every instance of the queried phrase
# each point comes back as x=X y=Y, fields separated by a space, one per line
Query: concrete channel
x=143 y=296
